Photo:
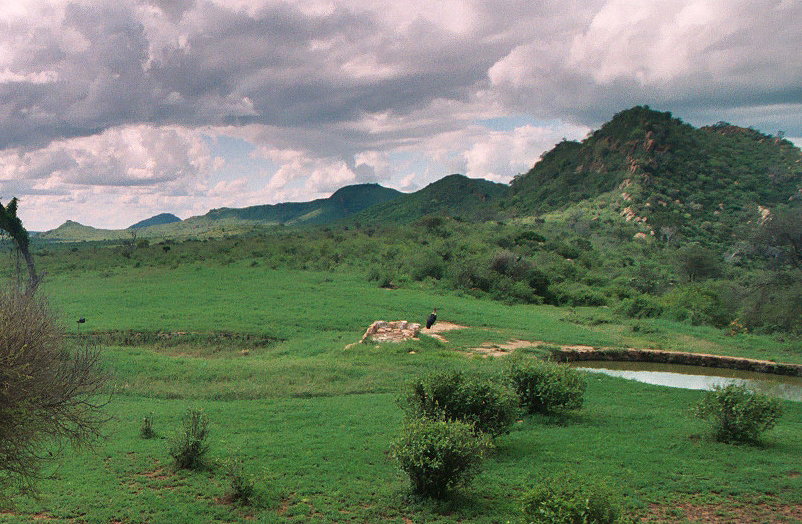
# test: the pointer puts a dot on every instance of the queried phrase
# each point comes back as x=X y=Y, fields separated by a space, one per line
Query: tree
x=48 y=390
x=11 y=224
x=781 y=236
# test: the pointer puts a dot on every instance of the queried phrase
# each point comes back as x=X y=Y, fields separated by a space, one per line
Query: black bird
x=430 y=321
x=82 y=320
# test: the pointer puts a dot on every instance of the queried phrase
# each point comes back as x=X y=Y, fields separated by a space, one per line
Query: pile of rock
x=397 y=331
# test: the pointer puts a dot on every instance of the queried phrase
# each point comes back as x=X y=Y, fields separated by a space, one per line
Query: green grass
x=313 y=421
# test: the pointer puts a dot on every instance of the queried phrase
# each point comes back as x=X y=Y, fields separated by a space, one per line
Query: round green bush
x=438 y=455
x=490 y=406
x=738 y=414
x=568 y=500
x=546 y=387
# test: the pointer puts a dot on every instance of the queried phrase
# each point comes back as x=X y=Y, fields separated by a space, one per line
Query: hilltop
x=668 y=176
x=158 y=220
x=455 y=196
x=344 y=202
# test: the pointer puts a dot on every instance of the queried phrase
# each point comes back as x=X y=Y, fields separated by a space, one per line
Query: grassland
x=262 y=351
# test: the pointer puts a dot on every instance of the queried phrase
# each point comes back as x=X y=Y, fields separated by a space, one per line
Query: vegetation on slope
x=344 y=202
x=702 y=184
x=453 y=196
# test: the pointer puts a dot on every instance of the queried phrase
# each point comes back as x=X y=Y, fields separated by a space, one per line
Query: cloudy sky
x=112 y=111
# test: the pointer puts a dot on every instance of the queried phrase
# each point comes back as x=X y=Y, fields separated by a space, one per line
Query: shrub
x=49 y=391
x=546 y=387
x=146 y=430
x=705 y=303
x=738 y=414
x=188 y=445
x=438 y=455
x=242 y=487
x=567 y=500
x=490 y=407
x=639 y=307
x=577 y=294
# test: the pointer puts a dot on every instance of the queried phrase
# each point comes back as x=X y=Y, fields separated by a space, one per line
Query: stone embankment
x=570 y=354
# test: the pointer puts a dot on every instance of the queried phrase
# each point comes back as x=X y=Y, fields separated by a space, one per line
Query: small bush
x=438 y=455
x=567 y=500
x=547 y=387
x=188 y=445
x=146 y=430
x=738 y=414
x=492 y=408
x=242 y=487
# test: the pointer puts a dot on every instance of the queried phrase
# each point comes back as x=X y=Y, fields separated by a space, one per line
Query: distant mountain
x=71 y=231
x=666 y=175
x=454 y=196
x=158 y=220
x=344 y=202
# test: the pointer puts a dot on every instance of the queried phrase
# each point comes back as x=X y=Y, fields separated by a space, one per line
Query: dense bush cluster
x=547 y=387
x=489 y=406
x=738 y=414
x=451 y=414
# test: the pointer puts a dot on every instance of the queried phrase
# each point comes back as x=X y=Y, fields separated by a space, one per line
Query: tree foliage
x=11 y=224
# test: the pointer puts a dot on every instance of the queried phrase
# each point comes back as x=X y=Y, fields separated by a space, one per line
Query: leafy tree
x=48 y=393
x=781 y=236
x=11 y=224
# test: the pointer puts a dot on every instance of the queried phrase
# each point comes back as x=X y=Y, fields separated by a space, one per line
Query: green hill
x=667 y=175
x=344 y=202
x=158 y=220
x=73 y=231
x=455 y=195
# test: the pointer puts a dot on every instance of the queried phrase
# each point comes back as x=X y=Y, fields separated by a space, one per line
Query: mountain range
x=642 y=166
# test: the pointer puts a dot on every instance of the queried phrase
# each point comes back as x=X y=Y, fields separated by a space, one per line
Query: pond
x=697 y=377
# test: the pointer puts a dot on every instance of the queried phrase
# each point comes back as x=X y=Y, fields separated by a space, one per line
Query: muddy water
x=696 y=377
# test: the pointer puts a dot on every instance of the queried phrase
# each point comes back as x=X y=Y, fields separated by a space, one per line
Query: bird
x=430 y=321
x=81 y=320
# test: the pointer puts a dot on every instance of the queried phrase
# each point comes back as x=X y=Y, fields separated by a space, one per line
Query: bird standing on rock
x=432 y=318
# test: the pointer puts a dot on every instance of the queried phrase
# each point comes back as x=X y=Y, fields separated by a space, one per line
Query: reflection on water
x=697 y=377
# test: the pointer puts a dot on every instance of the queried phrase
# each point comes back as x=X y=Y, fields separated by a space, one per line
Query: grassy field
x=263 y=353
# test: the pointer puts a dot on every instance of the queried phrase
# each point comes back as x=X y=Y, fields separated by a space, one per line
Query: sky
x=113 y=111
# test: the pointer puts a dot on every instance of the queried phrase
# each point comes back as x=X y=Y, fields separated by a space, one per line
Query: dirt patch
x=725 y=512
x=440 y=327
x=499 y=350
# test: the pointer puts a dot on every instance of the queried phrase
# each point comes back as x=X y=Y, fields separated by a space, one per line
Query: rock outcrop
x=397 y=331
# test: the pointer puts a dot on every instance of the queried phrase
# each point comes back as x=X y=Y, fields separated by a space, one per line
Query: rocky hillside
x=667 y=175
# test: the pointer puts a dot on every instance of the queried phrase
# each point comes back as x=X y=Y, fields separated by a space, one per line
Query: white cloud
x=106 y=103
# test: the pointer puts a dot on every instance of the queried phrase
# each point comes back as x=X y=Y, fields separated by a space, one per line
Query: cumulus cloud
x=115 y=101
